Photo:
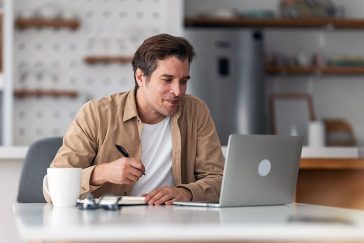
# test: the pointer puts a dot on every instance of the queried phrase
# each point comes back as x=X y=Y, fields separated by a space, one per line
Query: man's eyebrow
x=167 y=76
x=171 y=76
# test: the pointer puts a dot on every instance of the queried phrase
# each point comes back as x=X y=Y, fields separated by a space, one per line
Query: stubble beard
x=163 y=111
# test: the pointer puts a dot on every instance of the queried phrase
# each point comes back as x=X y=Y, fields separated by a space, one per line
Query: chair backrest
x=37 y=160
x=339 y=133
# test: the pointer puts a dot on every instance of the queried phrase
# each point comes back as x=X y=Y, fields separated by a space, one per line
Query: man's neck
x=151 y=121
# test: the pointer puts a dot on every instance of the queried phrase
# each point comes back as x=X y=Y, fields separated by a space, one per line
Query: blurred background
x=59 y=55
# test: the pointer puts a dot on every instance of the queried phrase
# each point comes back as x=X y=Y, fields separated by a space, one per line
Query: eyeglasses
x=107 y=202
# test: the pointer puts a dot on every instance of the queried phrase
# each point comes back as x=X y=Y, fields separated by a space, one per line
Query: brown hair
x=159 y=47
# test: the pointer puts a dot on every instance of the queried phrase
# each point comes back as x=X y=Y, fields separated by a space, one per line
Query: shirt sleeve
x=80 y=147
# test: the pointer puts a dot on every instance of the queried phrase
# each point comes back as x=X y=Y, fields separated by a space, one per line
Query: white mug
x=316 y=134
x=63 y=186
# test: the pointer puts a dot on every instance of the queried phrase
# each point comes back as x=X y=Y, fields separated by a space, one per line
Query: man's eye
x=184 y=82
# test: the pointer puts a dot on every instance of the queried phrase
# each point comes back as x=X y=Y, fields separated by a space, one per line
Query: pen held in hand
x=123 y=152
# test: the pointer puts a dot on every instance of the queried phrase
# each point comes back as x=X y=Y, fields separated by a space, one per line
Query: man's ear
x=139 y=76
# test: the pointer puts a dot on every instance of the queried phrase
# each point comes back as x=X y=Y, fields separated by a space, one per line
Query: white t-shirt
x=156 y=143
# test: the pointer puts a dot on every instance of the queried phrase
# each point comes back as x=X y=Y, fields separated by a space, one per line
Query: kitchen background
x=333 y=96
x=49 y=72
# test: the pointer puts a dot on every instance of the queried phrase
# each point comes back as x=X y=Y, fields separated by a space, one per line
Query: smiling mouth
x=173 y=102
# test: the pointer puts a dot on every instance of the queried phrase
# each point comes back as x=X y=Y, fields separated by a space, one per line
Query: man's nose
x=177 y=89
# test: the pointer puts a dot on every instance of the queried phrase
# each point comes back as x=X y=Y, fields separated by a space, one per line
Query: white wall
x=46 y=58
x=333 y=96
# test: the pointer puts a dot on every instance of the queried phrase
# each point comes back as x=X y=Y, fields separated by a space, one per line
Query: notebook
x=259 y=170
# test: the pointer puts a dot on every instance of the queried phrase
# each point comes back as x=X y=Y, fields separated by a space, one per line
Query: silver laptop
x=259 y=170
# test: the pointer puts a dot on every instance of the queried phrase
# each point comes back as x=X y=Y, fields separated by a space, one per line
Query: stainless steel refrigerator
x=228 y=74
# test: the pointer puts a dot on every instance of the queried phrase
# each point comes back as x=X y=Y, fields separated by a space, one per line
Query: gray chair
x=37 y=160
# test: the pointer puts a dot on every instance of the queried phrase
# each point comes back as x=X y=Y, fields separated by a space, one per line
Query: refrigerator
x=228 y=74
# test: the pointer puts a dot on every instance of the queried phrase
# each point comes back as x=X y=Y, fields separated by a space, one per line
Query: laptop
x=259 y=170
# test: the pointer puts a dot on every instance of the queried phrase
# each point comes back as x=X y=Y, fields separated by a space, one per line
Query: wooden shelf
x=332 y=164
x=108 y=59
x=274 y=22
x=315 y=70
x=47 y=23
x=23 y=93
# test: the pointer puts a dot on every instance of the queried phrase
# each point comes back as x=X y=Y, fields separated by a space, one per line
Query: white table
x=181 y=224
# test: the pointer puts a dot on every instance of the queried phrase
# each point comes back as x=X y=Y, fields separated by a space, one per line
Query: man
x=175 y=152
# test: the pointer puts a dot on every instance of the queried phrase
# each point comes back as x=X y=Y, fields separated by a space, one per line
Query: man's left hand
x=167 y=195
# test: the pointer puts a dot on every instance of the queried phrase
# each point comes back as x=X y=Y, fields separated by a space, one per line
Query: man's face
x=160 y=96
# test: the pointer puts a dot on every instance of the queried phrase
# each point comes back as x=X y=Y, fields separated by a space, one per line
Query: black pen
x=123 y=152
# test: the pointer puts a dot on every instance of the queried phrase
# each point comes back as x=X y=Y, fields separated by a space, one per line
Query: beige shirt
x=197 y=160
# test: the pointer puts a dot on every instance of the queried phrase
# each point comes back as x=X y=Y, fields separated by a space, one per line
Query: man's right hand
x=120 y=171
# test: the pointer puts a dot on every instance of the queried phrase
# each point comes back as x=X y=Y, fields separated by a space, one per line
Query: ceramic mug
x=63 y=186
x=316 y=134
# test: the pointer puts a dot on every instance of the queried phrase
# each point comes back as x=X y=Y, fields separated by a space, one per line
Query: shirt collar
x=130 y=110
